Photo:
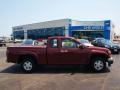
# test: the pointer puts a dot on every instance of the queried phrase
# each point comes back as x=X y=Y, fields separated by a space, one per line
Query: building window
x=18 y=34
x=46 y=32
x=88 y=34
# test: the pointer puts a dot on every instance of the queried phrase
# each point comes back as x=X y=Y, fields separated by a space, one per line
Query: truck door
x=70 y=53
x=66 y=53
x=53 y=51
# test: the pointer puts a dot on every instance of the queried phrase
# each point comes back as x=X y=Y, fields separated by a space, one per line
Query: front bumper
x=110 y=61
x=114 y=50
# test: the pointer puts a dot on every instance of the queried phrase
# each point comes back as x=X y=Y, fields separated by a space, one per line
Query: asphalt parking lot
x=12 y=78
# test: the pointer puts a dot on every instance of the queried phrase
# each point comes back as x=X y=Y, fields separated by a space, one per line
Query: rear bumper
x=110 y=61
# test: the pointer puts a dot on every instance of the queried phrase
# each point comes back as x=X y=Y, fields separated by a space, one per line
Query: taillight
x=7 y=52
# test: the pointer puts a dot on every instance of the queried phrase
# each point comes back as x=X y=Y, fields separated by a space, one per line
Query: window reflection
x=88 y=34
x=46 y=32
x=67 y=43
x=18 y=34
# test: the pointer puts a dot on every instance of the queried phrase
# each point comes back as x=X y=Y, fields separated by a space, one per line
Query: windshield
x=27 y=42
x=105 y=41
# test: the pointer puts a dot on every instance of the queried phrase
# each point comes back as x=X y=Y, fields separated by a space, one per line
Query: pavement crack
x=104 y=83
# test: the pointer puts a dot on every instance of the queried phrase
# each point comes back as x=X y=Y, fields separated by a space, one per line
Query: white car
x=18 y=40
x=32 y=42
x=85 y=42
x=29 y=42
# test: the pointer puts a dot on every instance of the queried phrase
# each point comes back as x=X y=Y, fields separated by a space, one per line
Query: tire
x=28 y=65
x=4 y=45
x=98 y=64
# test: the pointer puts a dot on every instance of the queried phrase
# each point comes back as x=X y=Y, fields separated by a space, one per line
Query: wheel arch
x=98 y=55
x=97 y=67
x=22 y=57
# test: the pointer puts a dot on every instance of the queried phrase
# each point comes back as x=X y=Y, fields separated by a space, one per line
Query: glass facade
x=40 y=33
x=88 y=34
x=45 y=32
x=18 y=34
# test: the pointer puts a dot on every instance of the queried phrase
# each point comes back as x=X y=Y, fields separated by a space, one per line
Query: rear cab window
x=54 y=43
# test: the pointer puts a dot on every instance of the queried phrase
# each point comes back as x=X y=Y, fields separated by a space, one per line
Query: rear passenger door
x=53 y=51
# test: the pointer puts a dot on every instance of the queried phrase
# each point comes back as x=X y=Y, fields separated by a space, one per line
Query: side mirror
x=81 y=46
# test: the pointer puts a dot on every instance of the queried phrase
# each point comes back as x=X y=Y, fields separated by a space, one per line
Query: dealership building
x=65 y=27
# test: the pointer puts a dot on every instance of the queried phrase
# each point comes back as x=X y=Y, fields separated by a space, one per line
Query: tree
x=80 y=35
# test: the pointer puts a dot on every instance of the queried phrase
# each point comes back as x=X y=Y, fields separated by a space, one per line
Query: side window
x=67 y=43
x=54 y=43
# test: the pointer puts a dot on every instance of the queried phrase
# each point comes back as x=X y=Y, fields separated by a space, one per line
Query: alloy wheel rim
x=98 y=65
x=27 y=65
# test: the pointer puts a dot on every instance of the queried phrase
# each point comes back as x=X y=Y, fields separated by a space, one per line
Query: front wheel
x=98 y=64
x=28 y=65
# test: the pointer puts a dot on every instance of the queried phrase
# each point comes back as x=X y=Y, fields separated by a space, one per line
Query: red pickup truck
x=59 y=51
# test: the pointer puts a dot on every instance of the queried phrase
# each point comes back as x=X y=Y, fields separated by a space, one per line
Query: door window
x=67 y=43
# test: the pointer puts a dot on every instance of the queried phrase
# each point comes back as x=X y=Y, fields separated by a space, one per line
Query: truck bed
x=14 y=52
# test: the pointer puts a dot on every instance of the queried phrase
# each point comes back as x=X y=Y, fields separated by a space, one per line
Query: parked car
x=59 y=51
x=18 y=40
x=85 y=42
x=101 y=42
x=42 y=41
x=28 y=42
x=2 y=43
x=32 y=42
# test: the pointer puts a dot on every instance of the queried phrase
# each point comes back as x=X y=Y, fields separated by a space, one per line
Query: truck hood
x=98 y=48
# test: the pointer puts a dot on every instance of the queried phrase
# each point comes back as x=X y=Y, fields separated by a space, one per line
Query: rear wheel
x=5 y=45
x=28 y=65
x=98 y=64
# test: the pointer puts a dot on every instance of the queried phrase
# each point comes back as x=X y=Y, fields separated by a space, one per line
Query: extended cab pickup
x=59 y=51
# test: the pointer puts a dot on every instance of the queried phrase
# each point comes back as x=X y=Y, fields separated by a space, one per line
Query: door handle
x=63 y=51
x=66 y=51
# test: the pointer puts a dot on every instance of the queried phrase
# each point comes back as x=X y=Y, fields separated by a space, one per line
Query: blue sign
x=107 y=25
x=87 y=27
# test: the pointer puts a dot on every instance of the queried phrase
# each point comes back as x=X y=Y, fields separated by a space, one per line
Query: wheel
x=98 y=64
x=5 y=45
x=28 y=65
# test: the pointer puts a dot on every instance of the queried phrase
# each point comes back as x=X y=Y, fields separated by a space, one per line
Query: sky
x=20 y=12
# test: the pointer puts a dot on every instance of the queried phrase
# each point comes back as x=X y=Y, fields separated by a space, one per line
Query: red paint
x=47 y=55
